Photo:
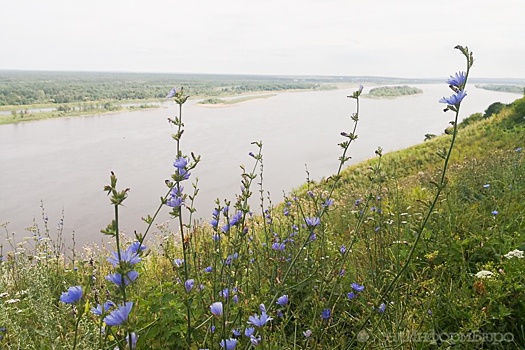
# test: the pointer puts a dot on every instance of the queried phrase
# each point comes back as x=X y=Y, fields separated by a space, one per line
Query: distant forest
x=504 y=88
x=394 y=91
x=29 y=88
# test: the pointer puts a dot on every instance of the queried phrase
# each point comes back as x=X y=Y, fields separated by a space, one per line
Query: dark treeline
x=25 y=88
x=40 y=87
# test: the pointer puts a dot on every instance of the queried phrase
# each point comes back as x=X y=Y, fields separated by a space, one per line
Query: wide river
x=65 y=162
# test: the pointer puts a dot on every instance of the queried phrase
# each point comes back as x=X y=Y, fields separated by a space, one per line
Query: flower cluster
x=457 y=84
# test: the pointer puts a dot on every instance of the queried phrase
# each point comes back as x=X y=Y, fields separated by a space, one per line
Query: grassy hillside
x=335 y=266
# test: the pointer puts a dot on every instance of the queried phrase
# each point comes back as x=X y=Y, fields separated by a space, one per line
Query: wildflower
x=259 y=321
x=484 y=274
x=119 y=316
x=255 y=340
x=381 y=309
x=225 y=228
x=457 y=82
x=342 y=273
x=102 y=309
x=178 y=262
x=225 y=293
x=172 y=92
x=180 y=163
x=181 y=174
x=189 y=285
x=249 y=331
x=516 y=253
x=357 y=287
x=128 y=257
x=307 y=333
x=208 y=269
x=486 y=186
x=228 y=344
x=278 y=246
x=214 y=223
x=455 y=99
x=175 y=201
x=495 y=212
x=216 y=308
x=326 y=314
x=312 y=221
x=212 y=329
x=137 y=247
x=279 y=313
x=351 y=295
x=72 y=295
x=236 y=218
x=518 y=149
x=328 y=203
x=282 y=300
x=236 y=333
x=235 y=299
x=134 y=339
x=117 y=278
x=342 y=250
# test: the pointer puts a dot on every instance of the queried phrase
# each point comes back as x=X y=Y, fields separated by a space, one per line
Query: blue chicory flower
x=236 y=218
x=128 y=256
x=180 y=163
x=189 y=285
x=172 y=92
x=357 y=287
x=102 y=309
x=278 y=246
x=282 y=300
x=457 y=82
x=116 y=278
x=255 y=340
x=259 y=321
x=137 y=247
x=134 y=339
x=228 y=344
x=72 y=295
x=249 y=331
x=119 y=316
x=455 y=99
x=312 y=221
x=351 y=295
x=326 y=314
x=381 y=308
x=216 y=308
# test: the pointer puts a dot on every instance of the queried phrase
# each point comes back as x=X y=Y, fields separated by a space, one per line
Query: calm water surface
x=66 y=162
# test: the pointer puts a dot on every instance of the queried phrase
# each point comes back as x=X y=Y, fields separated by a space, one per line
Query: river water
x=65 y=162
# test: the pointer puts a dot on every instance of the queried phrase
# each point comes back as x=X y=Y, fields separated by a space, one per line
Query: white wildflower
x=516 y=253
x=484 y=274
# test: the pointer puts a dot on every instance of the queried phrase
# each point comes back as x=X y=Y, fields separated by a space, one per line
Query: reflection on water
x=66 y=162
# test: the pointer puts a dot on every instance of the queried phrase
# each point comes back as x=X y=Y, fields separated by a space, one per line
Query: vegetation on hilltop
x=504 y=88
x=417 y=249
x=393 y=91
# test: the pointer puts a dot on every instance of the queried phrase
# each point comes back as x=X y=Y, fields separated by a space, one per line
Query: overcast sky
x=395 y=38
